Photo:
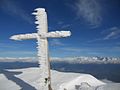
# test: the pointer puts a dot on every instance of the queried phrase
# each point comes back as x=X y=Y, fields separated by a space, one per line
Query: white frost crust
x=42 y=28
x=24 y=36
x=43 y=61
x=57 y=34
x=39 y=11
x=41 y=20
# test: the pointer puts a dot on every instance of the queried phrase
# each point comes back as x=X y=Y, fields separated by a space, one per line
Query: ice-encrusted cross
x=41 y=36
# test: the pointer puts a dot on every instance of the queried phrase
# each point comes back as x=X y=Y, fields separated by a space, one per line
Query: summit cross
x=41 y=36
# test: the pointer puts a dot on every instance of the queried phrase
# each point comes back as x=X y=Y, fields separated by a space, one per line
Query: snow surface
x=83 y=80
x=29 y=79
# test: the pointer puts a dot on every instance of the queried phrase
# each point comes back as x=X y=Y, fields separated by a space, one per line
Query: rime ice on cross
x=41 y=36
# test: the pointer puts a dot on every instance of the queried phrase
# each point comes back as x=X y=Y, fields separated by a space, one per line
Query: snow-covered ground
x=28 y=79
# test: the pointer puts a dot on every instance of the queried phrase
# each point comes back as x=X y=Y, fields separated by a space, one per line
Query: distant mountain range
x=81 y=60
x=88 y=60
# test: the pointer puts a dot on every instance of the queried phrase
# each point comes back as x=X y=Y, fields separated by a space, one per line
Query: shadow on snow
x=10 y=75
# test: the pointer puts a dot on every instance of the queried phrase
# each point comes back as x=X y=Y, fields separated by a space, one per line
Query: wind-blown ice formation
x=41 y=36
x=56 y=34
x=24 y=36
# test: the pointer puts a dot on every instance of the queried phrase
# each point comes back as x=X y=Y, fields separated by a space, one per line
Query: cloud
x=92 y=50
x=72 y=49
x=94 y=40
x=13 y=8
x=10 y=45
x=77 y=49
x=82 y=49
x=18 y=59
x=17 y=53
x=56 y=42
x=72 y=60
x=111 y=33
x=64 y=25
x=60 y=23
x=114 y=34
x=90 y=10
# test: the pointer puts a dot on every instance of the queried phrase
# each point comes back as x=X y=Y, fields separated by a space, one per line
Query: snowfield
x=82 y=81
x=29 y=79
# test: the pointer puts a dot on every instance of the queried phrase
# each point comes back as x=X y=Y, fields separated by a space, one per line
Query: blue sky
x=95 y=27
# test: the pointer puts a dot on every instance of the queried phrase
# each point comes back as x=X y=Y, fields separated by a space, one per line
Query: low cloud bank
x=88 y=60
x=20 y=59
x=72 y=60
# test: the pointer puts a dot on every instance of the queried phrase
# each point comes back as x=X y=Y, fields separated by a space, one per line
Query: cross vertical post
x=43 y=56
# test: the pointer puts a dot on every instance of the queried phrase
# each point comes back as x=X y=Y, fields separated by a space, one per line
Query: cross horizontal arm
x=56 y=34
x=24 y=36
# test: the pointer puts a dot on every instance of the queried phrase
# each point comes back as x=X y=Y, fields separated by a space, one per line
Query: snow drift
x=83 y=81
